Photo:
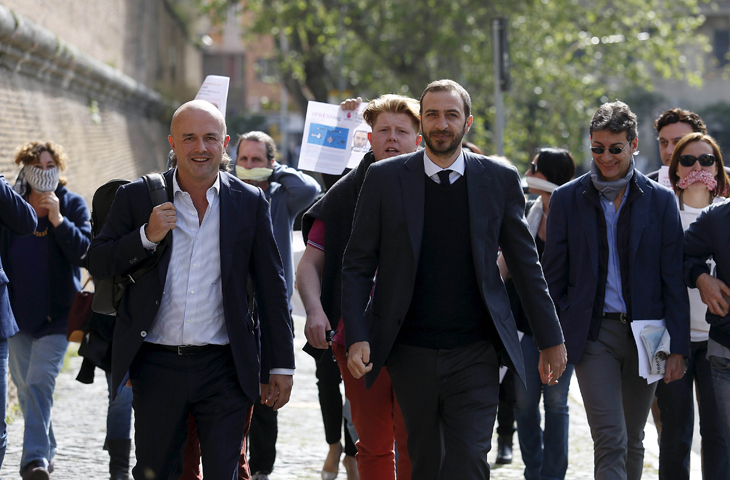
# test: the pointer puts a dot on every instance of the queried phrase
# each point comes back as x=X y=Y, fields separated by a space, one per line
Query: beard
x=444 y=148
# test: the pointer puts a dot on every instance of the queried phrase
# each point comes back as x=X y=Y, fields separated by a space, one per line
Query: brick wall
x=123 y=144
x=105 y=136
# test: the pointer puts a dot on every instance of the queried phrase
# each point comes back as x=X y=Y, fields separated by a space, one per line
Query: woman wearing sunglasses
x=699 y=179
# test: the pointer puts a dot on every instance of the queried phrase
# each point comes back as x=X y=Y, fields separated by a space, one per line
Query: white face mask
x=253 y=174
x=41 y=180
x=540 y=184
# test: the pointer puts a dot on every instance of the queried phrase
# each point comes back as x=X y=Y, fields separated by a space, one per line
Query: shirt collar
x=432 y=169
x=216 y=187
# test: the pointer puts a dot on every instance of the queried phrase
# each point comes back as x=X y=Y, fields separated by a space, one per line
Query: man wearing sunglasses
x=613 y=255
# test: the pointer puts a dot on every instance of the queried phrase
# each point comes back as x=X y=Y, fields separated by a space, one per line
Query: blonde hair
x=391 y=103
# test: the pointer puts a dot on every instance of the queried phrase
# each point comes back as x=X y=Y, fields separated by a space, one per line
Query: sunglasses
x=706 y=160
x=611 y=150
x=533 y=168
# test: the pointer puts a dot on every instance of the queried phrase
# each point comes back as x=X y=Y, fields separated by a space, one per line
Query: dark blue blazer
x=570 y=260
x=387 y=234
x=709 y=236
x=247 y=245
x=19 y=218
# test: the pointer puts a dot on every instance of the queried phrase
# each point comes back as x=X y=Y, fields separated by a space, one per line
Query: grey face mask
x=41 y=180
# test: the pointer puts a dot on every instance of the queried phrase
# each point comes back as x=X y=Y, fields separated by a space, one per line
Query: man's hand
x=713 y=293
x=351 y=103
x=358 y=359
x=162 y=219
x=552 y=363
x=277 y=392
x=674 y=369
x=314 y=329
x=50 y=201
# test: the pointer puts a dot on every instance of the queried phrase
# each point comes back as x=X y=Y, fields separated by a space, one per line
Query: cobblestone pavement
x=79 y=424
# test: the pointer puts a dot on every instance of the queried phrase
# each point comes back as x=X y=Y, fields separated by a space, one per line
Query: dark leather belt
x=182 y=349
x=620 y=316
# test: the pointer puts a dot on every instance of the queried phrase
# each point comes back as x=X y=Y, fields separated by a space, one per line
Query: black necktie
x=444 y=177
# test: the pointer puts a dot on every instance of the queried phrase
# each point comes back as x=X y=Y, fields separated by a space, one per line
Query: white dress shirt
x=191 y=309
x=432 y=170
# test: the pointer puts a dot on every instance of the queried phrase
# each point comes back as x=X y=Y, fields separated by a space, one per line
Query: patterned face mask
x=702 y=176
x=41 y=180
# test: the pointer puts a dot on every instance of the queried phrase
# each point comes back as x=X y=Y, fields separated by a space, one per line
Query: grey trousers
x=617 y=401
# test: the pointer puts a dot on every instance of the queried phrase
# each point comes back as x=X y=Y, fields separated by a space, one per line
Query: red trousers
x=191 y=453
x=378 y=422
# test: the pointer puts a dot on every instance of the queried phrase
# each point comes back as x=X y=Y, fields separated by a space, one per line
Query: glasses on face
x=533 y=168
x=706 y=160
x=611 y=150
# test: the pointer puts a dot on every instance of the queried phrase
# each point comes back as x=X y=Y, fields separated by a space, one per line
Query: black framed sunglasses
x=706 y=160
x=533 y=168
x=611 y=150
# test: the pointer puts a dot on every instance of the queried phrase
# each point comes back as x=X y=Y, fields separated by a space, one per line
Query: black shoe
x=119 y=458
x=35 y=471
x=504 y=450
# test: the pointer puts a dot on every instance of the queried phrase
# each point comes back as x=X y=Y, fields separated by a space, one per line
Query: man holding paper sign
x=612 y=257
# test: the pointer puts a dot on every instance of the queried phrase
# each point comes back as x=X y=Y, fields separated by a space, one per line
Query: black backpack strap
x=158 y=194
x=158 y=189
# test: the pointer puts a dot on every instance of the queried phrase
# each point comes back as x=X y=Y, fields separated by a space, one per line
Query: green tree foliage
x=568 y=56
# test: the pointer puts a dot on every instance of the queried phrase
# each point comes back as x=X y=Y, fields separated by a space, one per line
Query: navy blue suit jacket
x=387 y=234
x=17 y=216
x=709 y=236
x=247 y=246
x=570 y=260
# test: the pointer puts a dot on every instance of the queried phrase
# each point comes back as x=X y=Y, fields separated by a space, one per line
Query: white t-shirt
x=699 y=328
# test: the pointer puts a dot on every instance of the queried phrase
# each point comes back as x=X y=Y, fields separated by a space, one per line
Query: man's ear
x=225 y=142
x=172 y=142
x=469 y=121
x=370 y=138
x=418 y=141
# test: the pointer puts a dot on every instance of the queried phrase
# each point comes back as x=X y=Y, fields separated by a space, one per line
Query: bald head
x=198 y=138
x=200 y=108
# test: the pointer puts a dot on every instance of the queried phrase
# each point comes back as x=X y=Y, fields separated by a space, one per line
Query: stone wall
x=87 y=74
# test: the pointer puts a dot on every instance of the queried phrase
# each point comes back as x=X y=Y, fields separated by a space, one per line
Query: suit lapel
x=478 y=188
x=228 y=198
x=164 y=262
x=588 y=204
x=413 y=187
x=639 y=213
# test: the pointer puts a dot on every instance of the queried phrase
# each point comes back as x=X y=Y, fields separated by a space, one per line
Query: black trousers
x=330 y=402
x=449 y=402
x=262 y=438
x=167 y=388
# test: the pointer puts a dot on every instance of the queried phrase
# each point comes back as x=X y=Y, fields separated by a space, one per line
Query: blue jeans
x=119 y=413
x=34 y=366
x=3 y=397
x=721 y=382
x=545 y=453
x=676 y=403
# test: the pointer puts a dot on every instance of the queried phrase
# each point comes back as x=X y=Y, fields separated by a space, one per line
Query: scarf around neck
x=610 y=190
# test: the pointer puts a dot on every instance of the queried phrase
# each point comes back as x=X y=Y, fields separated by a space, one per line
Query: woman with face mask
x=544 y=450
x=44 y=272
x=699 y=179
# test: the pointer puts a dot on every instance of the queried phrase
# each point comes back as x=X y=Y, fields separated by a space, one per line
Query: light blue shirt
x=614 y=298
